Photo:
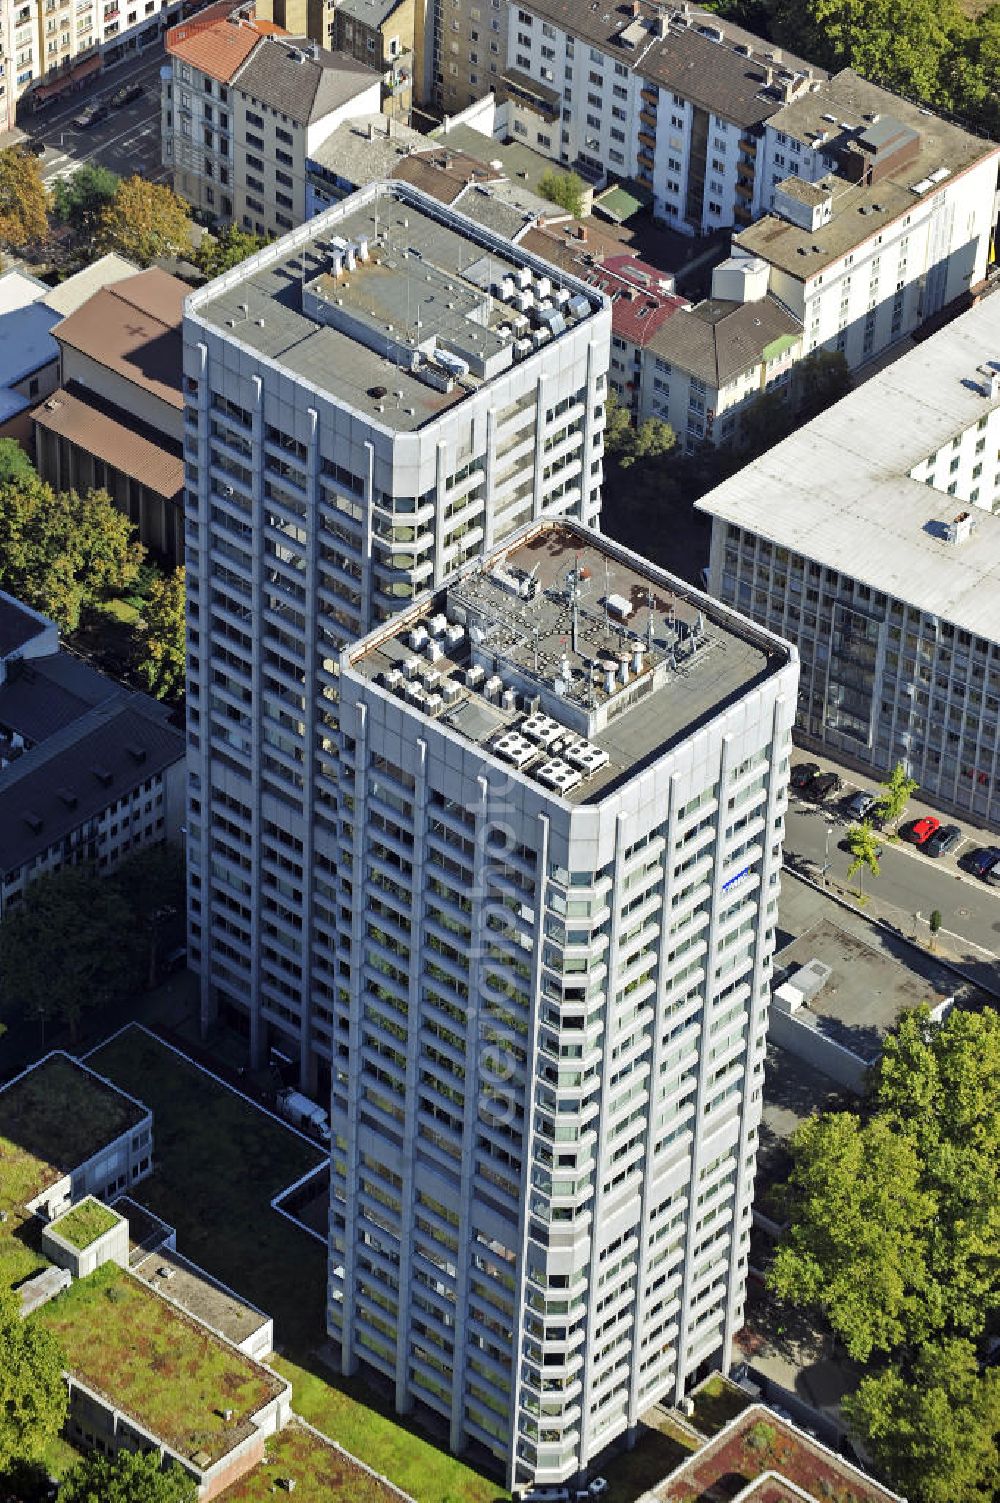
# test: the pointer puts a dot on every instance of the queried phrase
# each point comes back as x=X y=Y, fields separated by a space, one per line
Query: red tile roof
x=216 y=43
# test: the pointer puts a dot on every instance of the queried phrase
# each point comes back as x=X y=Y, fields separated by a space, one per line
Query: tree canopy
x=15 y=466
x=895 y=793
x=144 y=220
x=895 y=1220
x=68 y=947
x=127 y=1478
x=864 y=848
x=24 y=200
x=932 y=1427
x=33 y=1393
x=160 y=639
x=219 y=252
x=80 y=199
x=566 y=189
x=60 y=551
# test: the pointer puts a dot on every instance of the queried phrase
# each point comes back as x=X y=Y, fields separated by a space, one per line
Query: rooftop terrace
x=568 y=659
x=394 y=305
x=53 y=1118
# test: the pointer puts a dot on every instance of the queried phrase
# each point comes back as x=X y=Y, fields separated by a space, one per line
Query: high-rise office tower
x=562 y=790
x=370 y=402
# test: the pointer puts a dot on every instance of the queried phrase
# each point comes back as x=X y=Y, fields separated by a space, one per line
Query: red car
x=921 y=830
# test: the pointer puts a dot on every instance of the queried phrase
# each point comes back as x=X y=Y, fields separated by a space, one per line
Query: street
x=127 y=142
x=909 y=883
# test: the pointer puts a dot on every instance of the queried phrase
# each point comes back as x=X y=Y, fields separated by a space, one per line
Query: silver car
x=862 y=804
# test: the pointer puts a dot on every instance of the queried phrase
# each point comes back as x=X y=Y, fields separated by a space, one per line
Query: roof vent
x=960 y=527
x=104 y=776
x=33 y=821
x=68 y=797
x=136 y=752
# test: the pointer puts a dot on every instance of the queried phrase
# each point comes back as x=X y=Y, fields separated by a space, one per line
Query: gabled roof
x=717 y=340
x=134 y=328
x=301 y=80
x=102 y=429
x=19 y=624
x=216 y=42
x=444 y=174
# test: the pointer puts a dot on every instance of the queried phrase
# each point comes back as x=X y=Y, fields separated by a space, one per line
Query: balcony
x=649 y=95
x=647 y=139
x=648 y=118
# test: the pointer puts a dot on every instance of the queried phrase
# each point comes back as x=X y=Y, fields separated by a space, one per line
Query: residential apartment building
x=243 y=109
x=562 y=788
x=371 y=402
x=51 y=46
x=379 y=33
x=115 y=421
x=702 y=371
x=89 y=771
x=880 y=215
x=673 y=98
x=871 y=539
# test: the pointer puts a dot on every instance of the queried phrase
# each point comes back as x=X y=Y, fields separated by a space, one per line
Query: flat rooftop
x=870 y=985
x=323 y=1473
x=839 y=490
x=53 y=1118
x=394 y=305
x=199 y=1294
x=568 y=659
x=843 y=109
x=781 y=1459
x=115 y=1332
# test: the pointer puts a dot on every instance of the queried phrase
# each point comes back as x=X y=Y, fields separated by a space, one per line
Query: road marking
x=963 y=939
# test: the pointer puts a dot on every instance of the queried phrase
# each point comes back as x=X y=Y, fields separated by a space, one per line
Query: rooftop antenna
x=649 y=621
x=607 y=592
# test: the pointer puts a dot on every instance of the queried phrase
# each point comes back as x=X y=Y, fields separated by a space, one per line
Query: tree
x=221 y=252
x=566 y=189
x=896 y=793
x=864 y=849
x=129 y=1477
x=69 y=946
x=934 y=925
x=152 y=885
x=33 y=1393
x=80 y=199
x=144 y=220
x=822 y=378
x=160 y=640
x=619 y=434
x=24 y=200
x=932 y=1426
x=15 y=466
x=60 y=551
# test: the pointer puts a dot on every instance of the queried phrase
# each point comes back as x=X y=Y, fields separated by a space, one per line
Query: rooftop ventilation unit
x=451 y=691
x=437 y=624
x=542 y=728
x=453 y=634
x=516 y=749
x=412 y=667
x=559 y=775
x=474 y=676
x=418 y=637
x=587 y=757
x=493 y=688
x=435 y=704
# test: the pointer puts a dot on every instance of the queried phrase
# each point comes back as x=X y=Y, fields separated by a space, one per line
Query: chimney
x=581 y=233
x=960 y=527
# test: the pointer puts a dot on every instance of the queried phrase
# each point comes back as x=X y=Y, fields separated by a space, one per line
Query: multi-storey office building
x=881 y=214
x=870 y=538
x=364 y=414
x=562 y=788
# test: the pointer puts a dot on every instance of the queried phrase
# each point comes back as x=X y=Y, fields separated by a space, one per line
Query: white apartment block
x=673 y=98
x=880 y=215
x=871 y=539
x=371 y=402
x=242 y=111
x=562 y=789
x=50 y=46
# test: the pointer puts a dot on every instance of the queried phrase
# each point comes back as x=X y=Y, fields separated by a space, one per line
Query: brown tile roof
x=214 y=43
x=718 y=340
x=444 y=174
x=134 y=328
x=114 y=437
x=301 y=80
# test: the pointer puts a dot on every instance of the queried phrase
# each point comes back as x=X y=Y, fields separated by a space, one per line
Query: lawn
x=320 y=1472
x=85 y=1223
x=159 y=1366
x=20 y=1247
x=716 y=1402
x=631 y=1474
x=217 y=1163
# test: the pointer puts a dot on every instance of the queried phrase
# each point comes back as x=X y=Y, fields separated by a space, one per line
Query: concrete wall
x=803 y=1039
x=111 y=1247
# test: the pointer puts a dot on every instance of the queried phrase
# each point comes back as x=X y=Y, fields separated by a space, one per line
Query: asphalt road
x=908 y=884
x=127 y=142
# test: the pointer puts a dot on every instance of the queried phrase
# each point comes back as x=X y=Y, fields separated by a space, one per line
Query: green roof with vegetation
x=85 y=1223
x=172 y=1376
x=321 y=1473
x=52 y=1120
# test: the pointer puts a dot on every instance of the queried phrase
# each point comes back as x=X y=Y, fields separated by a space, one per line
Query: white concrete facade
x=314 y=510
x=546 y=1101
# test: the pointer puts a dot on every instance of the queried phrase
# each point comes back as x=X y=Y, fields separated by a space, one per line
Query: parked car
x=861 y=804
x=802 y=775
x=981 y=863
x=126 y=94
x=944 y=839
x=820 y=789
x=921 y=830
x=91 y=114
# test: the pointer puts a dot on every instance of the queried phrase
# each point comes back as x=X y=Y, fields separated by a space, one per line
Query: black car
x=802 y=775
x=982 y=862
x=126 y=94
x=820 y=789
x=944 y=839
x=91 y=114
